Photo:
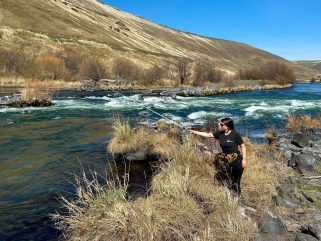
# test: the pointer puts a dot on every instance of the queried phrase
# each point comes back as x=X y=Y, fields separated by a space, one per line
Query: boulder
x=266 y=237
x=139 y=155
x=286 y=188
x=300 y=140
x=303 y=161
x=272 y=223
x=286 y=202
x=314 y=229
x=304 y=237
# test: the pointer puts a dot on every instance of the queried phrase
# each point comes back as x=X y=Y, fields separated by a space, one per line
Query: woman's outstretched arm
x=244 y=163
x=200 y=133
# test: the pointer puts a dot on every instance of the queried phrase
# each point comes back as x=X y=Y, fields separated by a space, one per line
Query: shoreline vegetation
x=184 y=202
x=71 y=67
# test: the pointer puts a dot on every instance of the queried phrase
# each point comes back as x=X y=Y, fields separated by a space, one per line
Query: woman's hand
x=244 y=163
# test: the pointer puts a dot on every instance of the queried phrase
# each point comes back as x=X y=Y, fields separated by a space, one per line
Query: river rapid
x=41 y=149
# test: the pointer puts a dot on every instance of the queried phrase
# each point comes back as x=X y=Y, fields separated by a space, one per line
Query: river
x=41 y=149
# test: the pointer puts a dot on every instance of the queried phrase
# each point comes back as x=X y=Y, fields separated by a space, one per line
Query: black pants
x=230 y=175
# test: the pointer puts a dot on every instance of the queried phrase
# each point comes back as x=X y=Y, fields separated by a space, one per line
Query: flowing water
x=42 y=148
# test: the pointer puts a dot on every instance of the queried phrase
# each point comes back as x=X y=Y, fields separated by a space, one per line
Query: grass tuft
x=37 y=90
x=305 y=121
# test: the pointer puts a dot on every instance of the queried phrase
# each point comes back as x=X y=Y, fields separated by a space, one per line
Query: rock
x=286 y=202
x=293 y=227
x=299 y=211
x=286 y=188
x=272 y=223
x=303 y=161
x=300 y=140
x=313 y=229
x=266 y=237
x=139 y=155
x=304 y=237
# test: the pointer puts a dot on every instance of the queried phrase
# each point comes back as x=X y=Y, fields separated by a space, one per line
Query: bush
x=204 y=72
x=153 y=75
x=50 y=67
x=183 y=70
x=16 y=62
x=126 y=69
x=274 y=71
x=93 y=68
x=72 y=60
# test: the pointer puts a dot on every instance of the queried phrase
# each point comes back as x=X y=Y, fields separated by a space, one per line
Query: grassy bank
x=184 y=204
x=23 y=82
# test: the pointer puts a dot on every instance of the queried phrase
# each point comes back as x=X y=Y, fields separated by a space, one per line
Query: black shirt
x=229 y=143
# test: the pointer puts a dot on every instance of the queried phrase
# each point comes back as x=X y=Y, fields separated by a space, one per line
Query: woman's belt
x=228 y=158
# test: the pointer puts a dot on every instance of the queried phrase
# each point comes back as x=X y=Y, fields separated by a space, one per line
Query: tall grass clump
x=37 y=91
x=303 y=121
x=185 y=202
x=126 y=139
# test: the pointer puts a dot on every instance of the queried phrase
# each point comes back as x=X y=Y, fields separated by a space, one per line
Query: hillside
x=313 y=64
x=40 y=26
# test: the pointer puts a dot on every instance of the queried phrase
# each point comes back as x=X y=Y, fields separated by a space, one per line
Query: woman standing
x=230 y=163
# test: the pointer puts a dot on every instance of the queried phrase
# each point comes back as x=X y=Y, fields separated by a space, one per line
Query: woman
x=231 y=163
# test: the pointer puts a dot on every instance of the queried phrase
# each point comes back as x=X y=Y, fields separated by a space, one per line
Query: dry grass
x=185 y=204
x=305 y=121
x=37 y=90
x=126 y=139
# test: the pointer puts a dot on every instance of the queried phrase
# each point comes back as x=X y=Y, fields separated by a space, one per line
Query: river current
x=41 y=149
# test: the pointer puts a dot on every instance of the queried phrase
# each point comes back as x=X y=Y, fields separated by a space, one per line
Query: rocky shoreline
x=111 y=85
x=300 y=195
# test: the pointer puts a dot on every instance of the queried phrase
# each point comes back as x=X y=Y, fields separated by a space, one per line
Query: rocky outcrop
x=15 y=101
x=217 y=89
x=299 y=195
x=302 y=149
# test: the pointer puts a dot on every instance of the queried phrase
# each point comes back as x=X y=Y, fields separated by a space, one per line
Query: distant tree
x=183 y=70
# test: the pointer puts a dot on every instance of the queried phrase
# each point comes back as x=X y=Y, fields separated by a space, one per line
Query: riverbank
x=20 y=83
x=164 y=90
x=183 y=202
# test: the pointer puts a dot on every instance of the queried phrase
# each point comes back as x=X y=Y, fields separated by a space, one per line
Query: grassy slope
x=313 y=64
x=91 y=20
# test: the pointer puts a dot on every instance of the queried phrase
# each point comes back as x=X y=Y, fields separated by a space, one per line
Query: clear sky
x=289 y=28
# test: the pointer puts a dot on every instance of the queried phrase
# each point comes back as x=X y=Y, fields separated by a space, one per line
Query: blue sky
x=289 y=28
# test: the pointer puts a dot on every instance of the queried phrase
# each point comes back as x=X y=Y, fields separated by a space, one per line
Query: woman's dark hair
x=228 y=122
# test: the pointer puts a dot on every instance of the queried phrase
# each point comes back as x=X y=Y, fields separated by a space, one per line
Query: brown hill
x=49 y=25
x=313 y=64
